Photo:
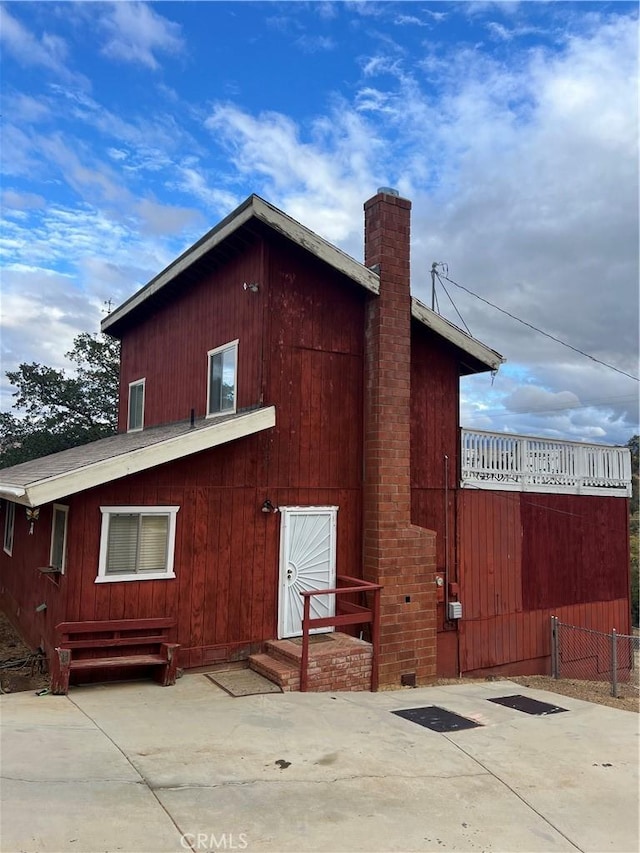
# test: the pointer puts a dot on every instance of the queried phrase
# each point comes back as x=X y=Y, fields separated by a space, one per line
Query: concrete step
x=283 y=673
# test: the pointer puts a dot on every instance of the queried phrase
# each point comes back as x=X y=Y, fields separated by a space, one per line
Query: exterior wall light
x=267 y=507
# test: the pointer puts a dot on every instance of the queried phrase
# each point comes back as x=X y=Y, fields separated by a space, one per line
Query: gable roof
x=61 y=474
x=256 y=208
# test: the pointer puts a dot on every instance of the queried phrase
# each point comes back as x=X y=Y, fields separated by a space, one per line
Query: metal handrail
x=358 y=615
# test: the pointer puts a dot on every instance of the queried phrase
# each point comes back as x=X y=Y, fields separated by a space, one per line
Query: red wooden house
x=289 y=416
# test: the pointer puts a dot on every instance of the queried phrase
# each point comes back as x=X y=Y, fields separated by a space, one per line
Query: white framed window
x=222 y=364
x=135 y=420
x=9 y=524
x=137 y=543
x=58 y=549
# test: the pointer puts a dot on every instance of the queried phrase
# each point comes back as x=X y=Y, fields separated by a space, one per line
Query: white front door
x=307 y=562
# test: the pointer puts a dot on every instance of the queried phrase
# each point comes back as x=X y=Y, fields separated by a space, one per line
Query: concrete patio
x=136 y=767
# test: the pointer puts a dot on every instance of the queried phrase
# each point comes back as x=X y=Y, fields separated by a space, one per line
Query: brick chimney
x=396 y=553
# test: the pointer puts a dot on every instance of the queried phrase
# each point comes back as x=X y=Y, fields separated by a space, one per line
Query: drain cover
x=436 y=719
x=528 y=705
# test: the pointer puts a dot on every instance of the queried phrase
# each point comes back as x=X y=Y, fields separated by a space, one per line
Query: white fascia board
x=97 y=473
x=327 y=252
x=12 y=493
x=456 y=336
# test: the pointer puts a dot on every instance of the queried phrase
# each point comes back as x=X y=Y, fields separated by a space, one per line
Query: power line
x=536 y=329
x=455 y=306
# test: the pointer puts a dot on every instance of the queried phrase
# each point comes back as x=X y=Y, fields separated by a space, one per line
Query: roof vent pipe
x=388 y=191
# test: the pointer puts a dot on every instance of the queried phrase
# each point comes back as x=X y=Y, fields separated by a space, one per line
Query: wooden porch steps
x=336 y=662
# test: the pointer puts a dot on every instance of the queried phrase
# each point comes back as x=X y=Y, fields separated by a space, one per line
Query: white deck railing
x=524 y=463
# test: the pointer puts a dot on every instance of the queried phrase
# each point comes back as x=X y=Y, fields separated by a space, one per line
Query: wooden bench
x=115 y=643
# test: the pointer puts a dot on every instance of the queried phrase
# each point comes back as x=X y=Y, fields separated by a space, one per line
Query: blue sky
x=129 y=129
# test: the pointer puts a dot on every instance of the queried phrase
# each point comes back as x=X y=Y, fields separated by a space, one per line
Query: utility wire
x=455 y=306
x=536 y=329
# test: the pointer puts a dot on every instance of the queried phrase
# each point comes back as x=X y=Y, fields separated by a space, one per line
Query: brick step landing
x=336 y=662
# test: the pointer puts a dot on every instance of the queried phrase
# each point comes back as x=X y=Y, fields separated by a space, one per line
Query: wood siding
x=306 y=327
x=526 y=556
x=23 y=587
x=435 y=435
x=169 y=347
x=226 y=555
x=313 y=375
x=435 y=398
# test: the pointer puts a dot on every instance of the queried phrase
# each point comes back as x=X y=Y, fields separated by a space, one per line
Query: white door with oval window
x=307 y=562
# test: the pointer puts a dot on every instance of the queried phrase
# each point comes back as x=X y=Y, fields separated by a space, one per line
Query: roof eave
x=258 y=208
x=488 y=358
x=85 y=477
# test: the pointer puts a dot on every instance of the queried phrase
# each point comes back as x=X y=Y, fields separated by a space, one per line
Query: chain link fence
x=587 y=655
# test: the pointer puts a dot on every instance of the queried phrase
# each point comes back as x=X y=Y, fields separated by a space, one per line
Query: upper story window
x=221 y=379
x=58 y=549
x=9 y=523
x=136 y=406
x=137 y=543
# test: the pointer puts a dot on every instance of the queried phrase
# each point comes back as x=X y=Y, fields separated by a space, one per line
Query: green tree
x=633 y=445
x=56 y=410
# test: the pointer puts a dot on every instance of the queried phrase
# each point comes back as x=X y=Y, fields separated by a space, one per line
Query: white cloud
x=321 y=182
x=523 y=173
x=48 y=51
x=315 y=43
x=404 y=20
x=525 y=180
x=136 y=33
x=20 y=201
x=160 y=219
x=117 y=154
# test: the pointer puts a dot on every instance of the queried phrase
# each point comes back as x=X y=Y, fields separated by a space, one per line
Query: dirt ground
x=589 y=691
x=30 y=677
x=25 y=676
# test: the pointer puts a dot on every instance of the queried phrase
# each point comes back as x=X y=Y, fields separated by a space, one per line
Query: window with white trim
x=136 y=406
x=137 y=543
x=221 y=379
x=9 y=524
x=58 y=550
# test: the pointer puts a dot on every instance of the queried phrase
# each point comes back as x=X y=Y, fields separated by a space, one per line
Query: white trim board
x=52 y=488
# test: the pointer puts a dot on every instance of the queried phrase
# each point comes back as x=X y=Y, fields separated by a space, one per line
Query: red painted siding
x=294 y=355
x=434 y=436
x=524 y=557
x=434 y=411
x=169 y=346
x=23 y=587
x=313 y=373
x=573 y=549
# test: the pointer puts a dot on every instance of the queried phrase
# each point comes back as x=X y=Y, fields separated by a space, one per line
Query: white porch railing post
x=581 y=467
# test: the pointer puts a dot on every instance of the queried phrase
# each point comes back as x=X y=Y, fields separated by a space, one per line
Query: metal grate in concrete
x=528 y=705
x=437 y=719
